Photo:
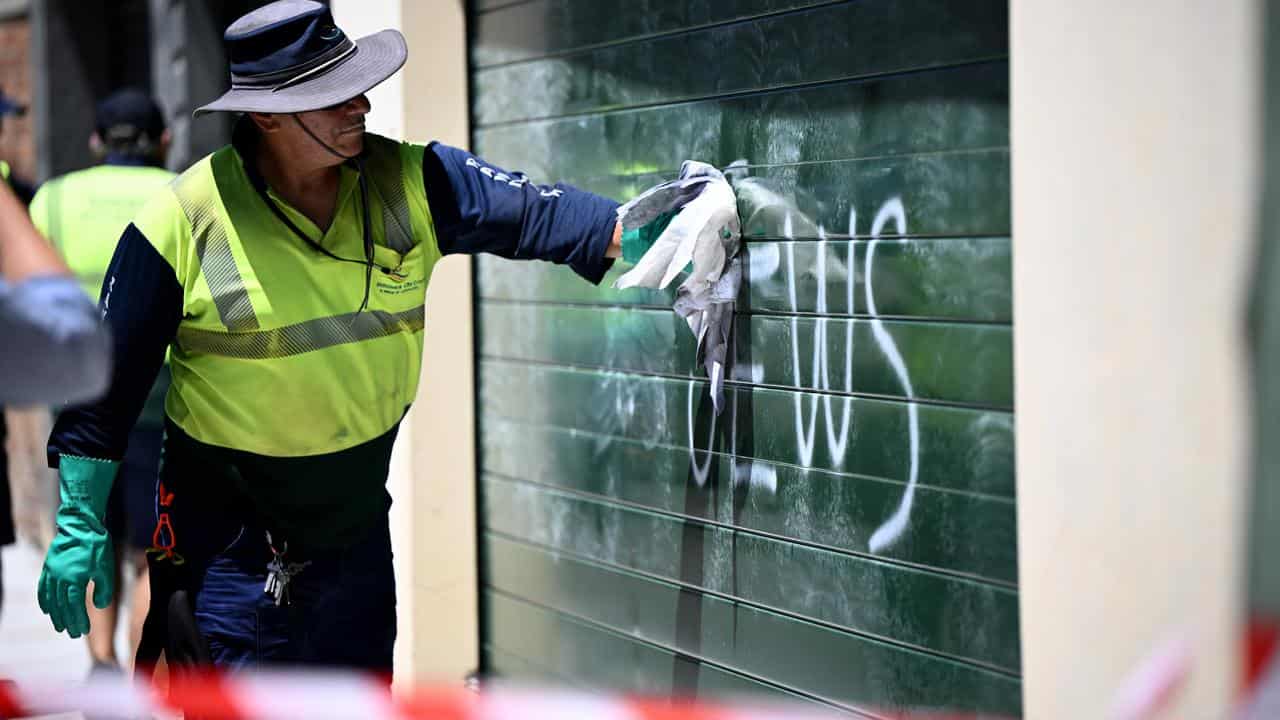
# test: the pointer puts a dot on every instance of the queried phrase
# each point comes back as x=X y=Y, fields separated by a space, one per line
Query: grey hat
x=289 y=57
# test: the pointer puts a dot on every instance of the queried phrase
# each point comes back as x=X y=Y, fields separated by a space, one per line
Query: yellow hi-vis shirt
x=271 y=355
x=83 y=214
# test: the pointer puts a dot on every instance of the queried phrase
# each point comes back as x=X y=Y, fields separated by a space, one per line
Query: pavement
x=29 y=648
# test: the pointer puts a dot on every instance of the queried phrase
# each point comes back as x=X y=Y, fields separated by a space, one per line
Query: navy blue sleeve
x=478 y=207
x=141 y=301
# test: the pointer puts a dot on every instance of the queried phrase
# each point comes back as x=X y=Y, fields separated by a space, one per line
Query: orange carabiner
x=164 y=540
x=158 y=537
x=164 y=496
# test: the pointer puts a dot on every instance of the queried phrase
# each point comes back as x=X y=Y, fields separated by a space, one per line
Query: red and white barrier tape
x=284 y=694
x=332 y=696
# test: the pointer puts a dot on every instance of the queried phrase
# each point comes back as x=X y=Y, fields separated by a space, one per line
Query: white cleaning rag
x=706 y=233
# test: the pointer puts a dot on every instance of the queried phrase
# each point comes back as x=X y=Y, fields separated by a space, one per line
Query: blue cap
x=129 y=112
x=10 y=106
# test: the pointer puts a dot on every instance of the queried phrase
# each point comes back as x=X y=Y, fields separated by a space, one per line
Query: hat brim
x=377 y=57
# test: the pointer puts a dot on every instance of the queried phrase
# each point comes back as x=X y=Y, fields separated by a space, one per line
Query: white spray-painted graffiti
x=764 y=266
x=890 y=530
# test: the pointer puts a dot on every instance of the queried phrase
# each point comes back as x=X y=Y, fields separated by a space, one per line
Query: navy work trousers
x=341 y=611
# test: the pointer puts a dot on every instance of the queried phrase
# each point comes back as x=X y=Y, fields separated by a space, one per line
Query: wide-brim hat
x=289 y=57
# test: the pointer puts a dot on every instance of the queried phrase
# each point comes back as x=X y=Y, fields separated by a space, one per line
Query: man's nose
x=359 y=105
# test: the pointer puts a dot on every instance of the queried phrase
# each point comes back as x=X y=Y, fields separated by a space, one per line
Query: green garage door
x=844 y=533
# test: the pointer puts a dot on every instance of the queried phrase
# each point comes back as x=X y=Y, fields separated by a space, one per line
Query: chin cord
x=364 y=214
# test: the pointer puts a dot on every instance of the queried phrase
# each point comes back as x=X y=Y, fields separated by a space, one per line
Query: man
x=54 y=348
x=287 y=273
x=7 y=534
x=83 y=214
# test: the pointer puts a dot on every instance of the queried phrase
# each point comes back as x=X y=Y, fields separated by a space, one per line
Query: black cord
x=366 y=227
x=368 y=236
x=320 y=142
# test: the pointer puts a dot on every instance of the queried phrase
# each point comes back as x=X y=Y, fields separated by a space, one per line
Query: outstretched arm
x=479 y=207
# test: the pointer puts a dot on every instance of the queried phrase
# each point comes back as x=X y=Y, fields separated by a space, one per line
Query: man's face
x=341 y=127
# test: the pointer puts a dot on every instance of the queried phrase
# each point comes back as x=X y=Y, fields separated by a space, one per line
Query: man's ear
x=266 y=122
x=161 y=151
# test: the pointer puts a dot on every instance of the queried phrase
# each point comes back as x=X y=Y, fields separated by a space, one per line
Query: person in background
x=55 y=348
x=7 y=536
x=8 y=106
x=83 y=214
x=12 y=108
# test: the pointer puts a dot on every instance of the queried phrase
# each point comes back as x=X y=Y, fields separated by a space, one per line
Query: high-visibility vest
x=271 y=355
x=83 y=214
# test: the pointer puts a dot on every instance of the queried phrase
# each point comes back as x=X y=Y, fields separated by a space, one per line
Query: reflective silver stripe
x=216 y=261
x=386 y=171
x=302 y=337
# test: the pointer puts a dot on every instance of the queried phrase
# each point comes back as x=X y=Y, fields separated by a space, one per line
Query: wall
x=80 y=52
x=845 y=531
x=443 y=423
x=189 y=69
x=1134 y=175
x=17 y=144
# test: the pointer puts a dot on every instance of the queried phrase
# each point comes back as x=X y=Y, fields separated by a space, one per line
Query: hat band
x=319 y=70
x=289 y=76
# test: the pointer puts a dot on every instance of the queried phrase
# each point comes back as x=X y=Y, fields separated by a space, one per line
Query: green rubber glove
x=81 y=550
x=636 y=242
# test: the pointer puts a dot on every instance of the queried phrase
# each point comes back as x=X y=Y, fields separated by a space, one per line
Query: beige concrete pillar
x=433 y=468
x=1134 y=143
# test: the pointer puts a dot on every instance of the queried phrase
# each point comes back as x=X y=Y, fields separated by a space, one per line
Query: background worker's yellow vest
x=271 y=356
x=83 y=214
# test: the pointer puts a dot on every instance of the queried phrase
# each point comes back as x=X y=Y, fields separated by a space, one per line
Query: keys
x=279 y=573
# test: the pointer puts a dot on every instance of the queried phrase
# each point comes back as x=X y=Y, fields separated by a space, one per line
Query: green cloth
x=636 y=242
x=81 y=550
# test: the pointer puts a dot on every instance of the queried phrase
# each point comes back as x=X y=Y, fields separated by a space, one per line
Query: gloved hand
x=697 y=242
x=81 y=550
x=689 y=225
